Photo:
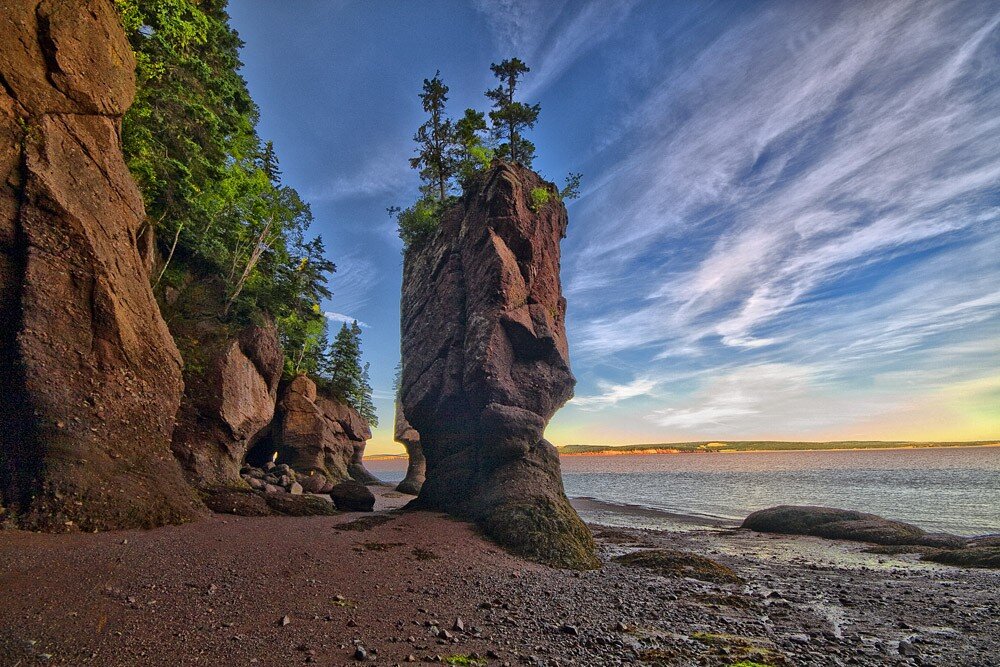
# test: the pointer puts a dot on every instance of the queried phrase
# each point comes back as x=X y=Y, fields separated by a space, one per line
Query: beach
x=421 y=587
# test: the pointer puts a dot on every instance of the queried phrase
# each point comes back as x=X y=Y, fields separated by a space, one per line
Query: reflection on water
x=948 y=489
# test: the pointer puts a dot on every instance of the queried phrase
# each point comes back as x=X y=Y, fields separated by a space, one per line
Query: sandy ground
x=218 y=593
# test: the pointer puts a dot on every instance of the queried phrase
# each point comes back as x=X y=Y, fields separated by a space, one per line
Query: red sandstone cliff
x=486 y=365
x=90 y=379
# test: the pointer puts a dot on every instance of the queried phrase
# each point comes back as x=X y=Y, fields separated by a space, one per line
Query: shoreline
x=422 y=587
x=653 y=451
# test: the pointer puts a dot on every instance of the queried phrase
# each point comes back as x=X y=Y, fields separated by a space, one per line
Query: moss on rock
x=544 y=530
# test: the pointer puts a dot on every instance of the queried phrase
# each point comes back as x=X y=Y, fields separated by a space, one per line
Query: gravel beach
x=398 y=587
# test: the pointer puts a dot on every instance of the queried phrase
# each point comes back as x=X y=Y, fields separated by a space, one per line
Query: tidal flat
x=399 y=587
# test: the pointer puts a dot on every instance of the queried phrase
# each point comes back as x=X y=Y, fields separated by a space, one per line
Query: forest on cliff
x=232 y=240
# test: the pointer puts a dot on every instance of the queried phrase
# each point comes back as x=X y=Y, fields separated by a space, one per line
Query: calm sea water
x=949 y=489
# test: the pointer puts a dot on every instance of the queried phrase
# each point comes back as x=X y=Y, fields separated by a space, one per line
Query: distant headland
x=757 y=446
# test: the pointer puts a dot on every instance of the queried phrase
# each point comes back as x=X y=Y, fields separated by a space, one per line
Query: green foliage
x=419 y=221
x=343 y=375
x=436 y=142
x=211 y=187
x=539 y=198
x=473 y=155
x=511 y=118
x=572 y=188
x=461 y=659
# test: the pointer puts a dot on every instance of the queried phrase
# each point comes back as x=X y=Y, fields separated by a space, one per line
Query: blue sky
x=790 y=212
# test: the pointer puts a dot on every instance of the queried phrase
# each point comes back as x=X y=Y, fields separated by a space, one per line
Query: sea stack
x=486 y=364
x=416 y=465
x=90 y=379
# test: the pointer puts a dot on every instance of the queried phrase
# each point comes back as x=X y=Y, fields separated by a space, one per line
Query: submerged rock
x=416 y=465
x=486 y=364
x=90 y=379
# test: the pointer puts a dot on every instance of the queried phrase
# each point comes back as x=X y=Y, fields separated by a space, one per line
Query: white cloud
x=827 y=142
x=346 y=319
x=551 y=35
x=382 y=172
x=612 y=394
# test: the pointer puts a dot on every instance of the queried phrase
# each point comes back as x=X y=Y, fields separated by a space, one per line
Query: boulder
x=416 y=466
x=90 y=379
x=314 y=483
x=352 y=496
x=318 y=434
x=231 y=385
x=837 y=524
x=486 y=365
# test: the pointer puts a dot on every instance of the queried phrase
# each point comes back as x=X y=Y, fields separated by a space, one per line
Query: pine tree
x=510 y=118
x=345 y=377
x=435 y=141
x=473 y=155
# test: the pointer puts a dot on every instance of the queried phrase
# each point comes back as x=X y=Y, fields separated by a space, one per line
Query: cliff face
x=486 y=364
x=317 y=435
x=90 y=379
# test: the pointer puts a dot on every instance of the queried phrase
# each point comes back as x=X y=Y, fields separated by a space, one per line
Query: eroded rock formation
x=486 y=364
x=317 y=435
x=90 y=379
x=416 y=465
x=229 y=399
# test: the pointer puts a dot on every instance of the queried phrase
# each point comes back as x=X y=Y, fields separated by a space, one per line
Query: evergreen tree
x=346 y=378
x=212 y=189
x=473 y=155
x=435 y=141
x=509 y=117
x=572 y=188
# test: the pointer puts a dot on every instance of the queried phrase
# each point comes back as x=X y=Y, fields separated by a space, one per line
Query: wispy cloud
x=551 y=35
x=827 y=157
x=612 y=394
x=382 y=172
x=346 y=319
x=815 y=188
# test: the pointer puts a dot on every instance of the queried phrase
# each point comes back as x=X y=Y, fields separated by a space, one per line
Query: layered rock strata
x=486 y=364
x=316 y=434
x=90 y=379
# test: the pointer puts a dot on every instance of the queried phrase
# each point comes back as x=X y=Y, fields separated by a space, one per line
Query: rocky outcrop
x=894 y=537
x=228 y=402
x=838 y=524
x=90 y=379
x=486 y=364
x=416 y=465
x=357 y=470
x=316 y=434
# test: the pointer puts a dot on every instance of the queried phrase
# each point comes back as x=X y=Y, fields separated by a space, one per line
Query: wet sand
x=216 y=593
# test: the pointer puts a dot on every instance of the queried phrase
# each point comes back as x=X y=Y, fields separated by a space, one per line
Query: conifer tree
x=473 y=154
x=511 y=118
x=435 y=141
x=346 y=378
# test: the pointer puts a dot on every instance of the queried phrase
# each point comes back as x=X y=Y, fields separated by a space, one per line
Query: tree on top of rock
x=511 y=118
x=345 y=377
x=435 y=141
x=473 y=155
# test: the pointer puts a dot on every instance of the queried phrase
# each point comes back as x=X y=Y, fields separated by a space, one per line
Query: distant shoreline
x=732 y=448
x=778 y=446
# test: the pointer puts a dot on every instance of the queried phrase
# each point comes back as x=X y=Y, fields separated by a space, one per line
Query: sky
x=789 y=225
